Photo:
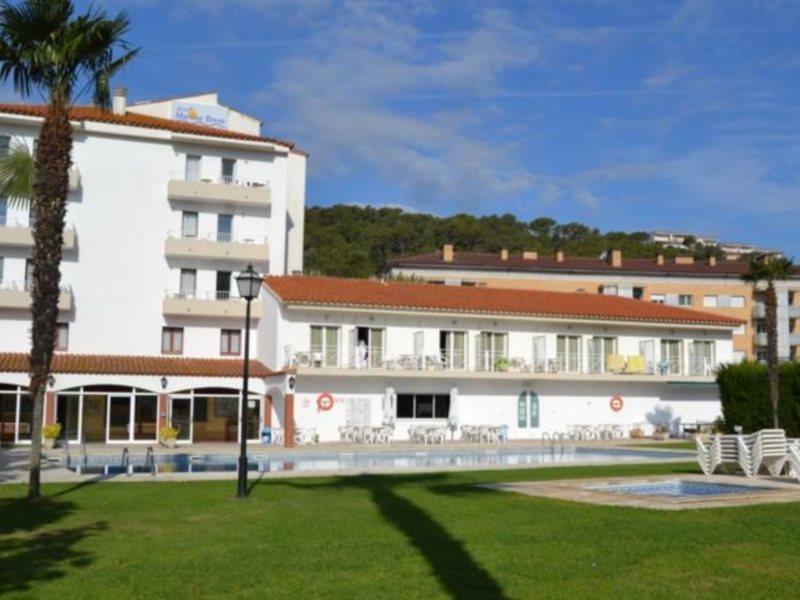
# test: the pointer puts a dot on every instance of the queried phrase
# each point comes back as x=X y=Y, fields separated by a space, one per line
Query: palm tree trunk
x=50 y=198
x=771 y=306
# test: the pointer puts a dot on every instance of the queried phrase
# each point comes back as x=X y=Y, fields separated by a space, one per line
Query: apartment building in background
x=168 y=201
x=730 y=250
x=709 y=285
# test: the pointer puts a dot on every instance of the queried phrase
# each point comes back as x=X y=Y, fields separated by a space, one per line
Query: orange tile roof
x=91 y=113
x=481 y=300
x=108 y=364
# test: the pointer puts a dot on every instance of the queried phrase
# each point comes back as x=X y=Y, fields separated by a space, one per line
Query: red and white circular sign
x=324 y=402
x=616 y=403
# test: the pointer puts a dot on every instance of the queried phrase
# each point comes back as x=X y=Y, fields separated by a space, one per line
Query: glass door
x=192 y=167
x=253 y=419
x=68 y=410
x=181 y=418
x=119 y=418
x=145 y=418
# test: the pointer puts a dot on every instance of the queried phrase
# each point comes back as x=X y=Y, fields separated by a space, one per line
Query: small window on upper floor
x=172 y=340
x=193 y=162
x=710 y=301
x=638 y=293
x=685 y=300
x=228 y=170
x=608 y=290
x=62 y=337
x=3 y=211
x=737 y=301
x=230 y=342
x=658 y=298
x=5 y=144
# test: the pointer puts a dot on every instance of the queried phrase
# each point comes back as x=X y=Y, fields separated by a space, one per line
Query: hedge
x=744 y=393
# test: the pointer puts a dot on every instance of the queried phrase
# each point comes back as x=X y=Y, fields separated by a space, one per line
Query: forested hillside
x=356 y=241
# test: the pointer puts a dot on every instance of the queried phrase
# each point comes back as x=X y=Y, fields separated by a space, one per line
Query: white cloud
x=342 y=95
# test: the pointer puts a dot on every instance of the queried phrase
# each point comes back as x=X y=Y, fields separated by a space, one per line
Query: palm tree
x=765 y=271
x=45 y=46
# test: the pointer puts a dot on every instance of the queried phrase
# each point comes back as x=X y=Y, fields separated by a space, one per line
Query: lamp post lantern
x=249 y=284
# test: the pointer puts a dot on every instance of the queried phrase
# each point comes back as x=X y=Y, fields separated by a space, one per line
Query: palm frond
x=17 y=174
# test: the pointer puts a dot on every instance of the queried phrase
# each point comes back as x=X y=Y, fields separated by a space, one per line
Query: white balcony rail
x=223 y=179
x=378 y=357
x=216 y=236
x=203 y=295
x=25 y=286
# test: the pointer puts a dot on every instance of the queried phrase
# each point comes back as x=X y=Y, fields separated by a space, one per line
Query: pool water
x=369 y=461
x=677 y=488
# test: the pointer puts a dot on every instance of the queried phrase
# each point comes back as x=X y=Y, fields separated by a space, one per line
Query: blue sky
x=623 y=115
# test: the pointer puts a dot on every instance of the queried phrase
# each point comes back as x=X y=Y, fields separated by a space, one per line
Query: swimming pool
x=678 y=488
x=369 y=461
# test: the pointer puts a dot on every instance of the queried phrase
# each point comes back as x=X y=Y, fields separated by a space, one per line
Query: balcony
x=243 y=192
x=379 y=360
x=215 y=305
x=794 y=311
x=217 y=246
x=15 y=296
x=21 y=236
x=759 y=310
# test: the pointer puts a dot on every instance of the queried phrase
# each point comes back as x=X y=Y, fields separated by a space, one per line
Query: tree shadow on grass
x=452 y=565
x=29 y=556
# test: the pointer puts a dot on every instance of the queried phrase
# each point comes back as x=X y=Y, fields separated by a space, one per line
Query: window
x=62 y=337
x=685 y=300
x=492 y=351
x=638 y=293
x=228 y=170
x=453 y=349
x=602 y=351
x=324 y=346
x=28 y=275
x=368 y=345
x=568 y=353
x=230 y=342
x=658 y=298
x=3 y=211
x=761 y=326
x=188 y=282
x=1 y=269
x=737 y=301
x=172 y=340
x=423 y=406
x=189 y=225
x=224 y=228
x=5 y=143
x=608 y=290
x=192 y=167
x=710 y=301
x=671 y=357
x=31 y=214
x=701 y=358
x=223 y=285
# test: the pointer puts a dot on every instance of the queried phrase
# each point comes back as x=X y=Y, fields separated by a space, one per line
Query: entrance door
x=119 y=418
x=181 y=418
x=68 y=410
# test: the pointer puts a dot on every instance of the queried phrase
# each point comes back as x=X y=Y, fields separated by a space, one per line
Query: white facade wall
x=118 y=272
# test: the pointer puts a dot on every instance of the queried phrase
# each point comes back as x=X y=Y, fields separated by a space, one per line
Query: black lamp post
x=249 y=284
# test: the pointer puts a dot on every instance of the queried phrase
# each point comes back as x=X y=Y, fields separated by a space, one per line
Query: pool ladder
x=552 y=439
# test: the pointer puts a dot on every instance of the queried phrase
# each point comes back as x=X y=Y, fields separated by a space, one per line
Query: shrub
x=52 y=431
x=744 y=392
x=168 y=433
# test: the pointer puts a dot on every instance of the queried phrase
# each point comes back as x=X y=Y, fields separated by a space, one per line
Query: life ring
x=616 y=403
x=324 y=402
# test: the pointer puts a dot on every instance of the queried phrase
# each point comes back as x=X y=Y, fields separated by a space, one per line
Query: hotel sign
x=200 y=114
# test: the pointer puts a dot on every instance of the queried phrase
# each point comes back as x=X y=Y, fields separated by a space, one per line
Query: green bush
x=744 y=392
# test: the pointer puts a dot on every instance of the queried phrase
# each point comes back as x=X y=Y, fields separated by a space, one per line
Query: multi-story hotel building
x=168 y=201
x=710 y=285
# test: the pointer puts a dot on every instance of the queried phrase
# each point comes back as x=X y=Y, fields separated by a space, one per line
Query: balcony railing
x=221 y=304
x=381 y=358
x=223 y=237
x=20 y=235
x=17 y=295
x=225 y=189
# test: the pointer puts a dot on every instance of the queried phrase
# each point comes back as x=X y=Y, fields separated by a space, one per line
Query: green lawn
x=373 y=537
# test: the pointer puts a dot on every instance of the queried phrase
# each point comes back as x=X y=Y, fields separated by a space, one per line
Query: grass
x=425 y=536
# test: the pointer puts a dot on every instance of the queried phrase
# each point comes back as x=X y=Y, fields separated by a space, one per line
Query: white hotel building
x=168 y=200
x=171 y=198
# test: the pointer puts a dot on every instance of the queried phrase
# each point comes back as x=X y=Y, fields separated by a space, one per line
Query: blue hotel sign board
x=200 y=114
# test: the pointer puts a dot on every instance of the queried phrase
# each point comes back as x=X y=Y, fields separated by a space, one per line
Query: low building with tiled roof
x=712 y=285
x=412 y=355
